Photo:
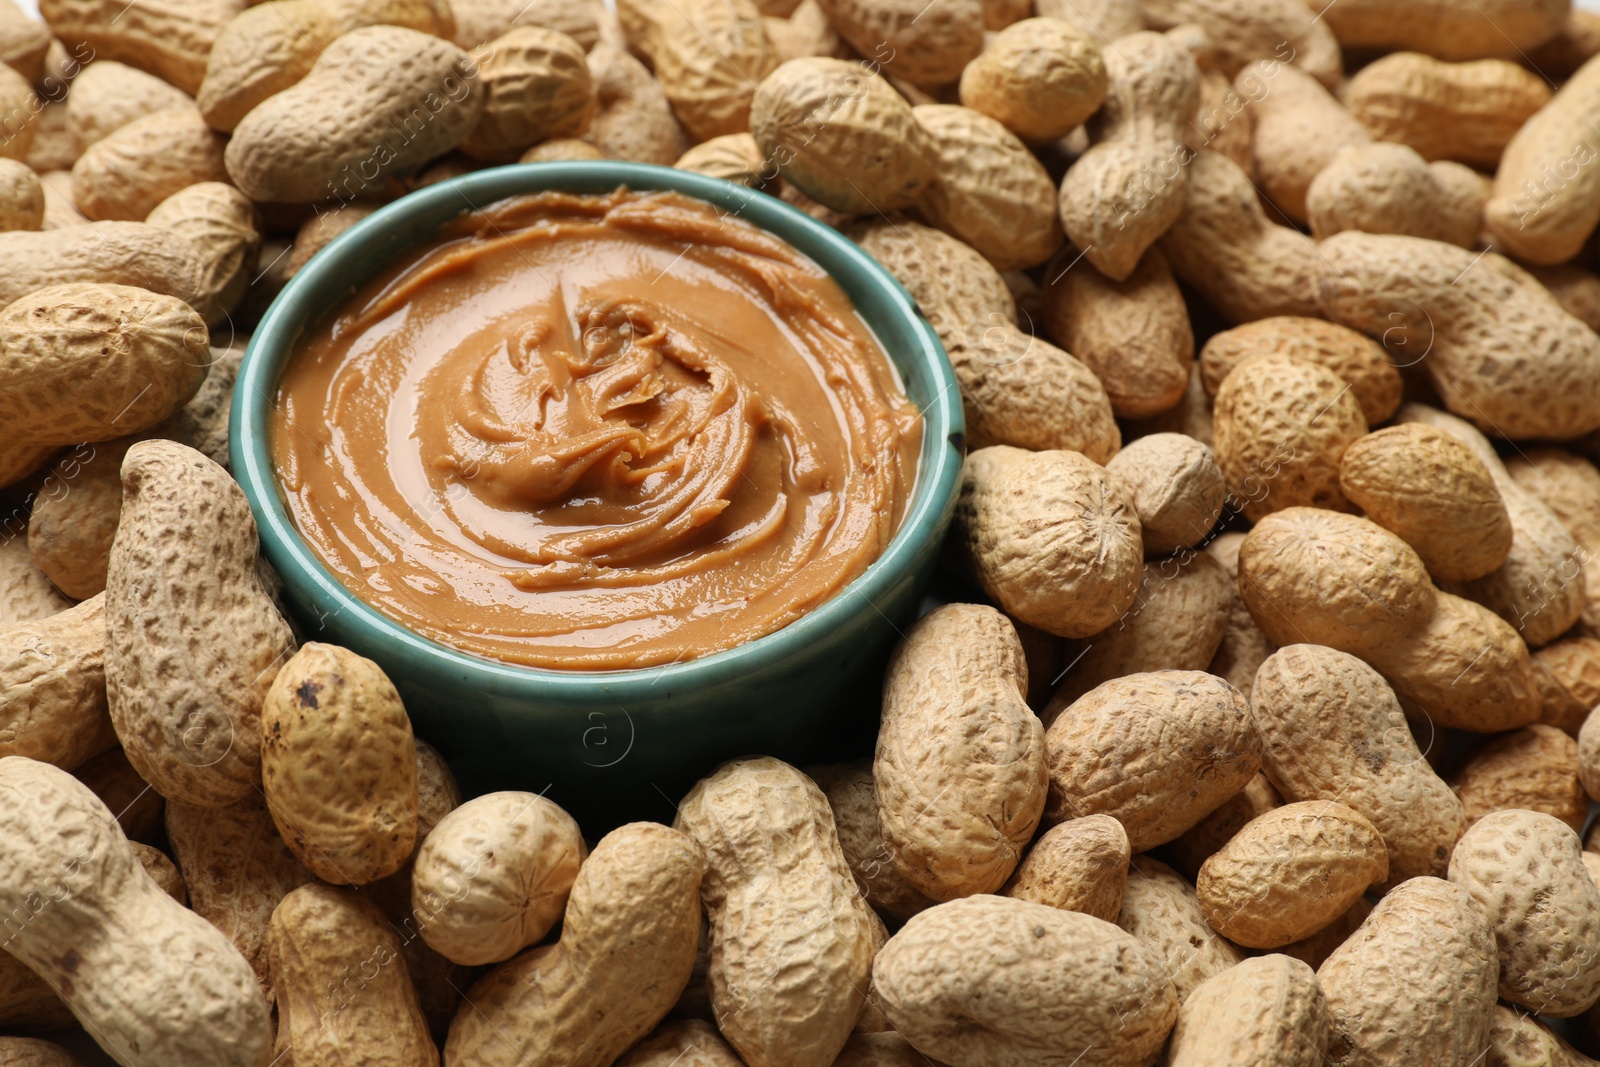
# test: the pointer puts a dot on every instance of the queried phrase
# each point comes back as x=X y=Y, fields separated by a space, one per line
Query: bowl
x=615 y=745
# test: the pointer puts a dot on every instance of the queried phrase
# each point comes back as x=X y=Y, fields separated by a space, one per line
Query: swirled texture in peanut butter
x=596 y=432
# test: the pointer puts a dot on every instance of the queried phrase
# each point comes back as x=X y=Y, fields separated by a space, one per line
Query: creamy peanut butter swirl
x=596 y=432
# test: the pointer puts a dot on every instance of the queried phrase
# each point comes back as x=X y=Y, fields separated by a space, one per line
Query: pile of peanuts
x=1256 y=728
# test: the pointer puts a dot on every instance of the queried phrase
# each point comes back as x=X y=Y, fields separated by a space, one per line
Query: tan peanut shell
x=21 y=197
x=1448 y=29
x=478 y=21
x=1289 y=872
x=1298 y=128
x=1535 y=769
x=805 y=32
x=681 y=1042
x=1575 y=288
x=1101 y=20
x=1281 y=427
x=1332 y=730
x=125 y=174
x=953 y=285
x=1224 y=122
x=1160 y=908
x=221 y=223
x=960 y=763
x=19 y=104
x=492 y=877
x=161 y=869
x=1157 y=751
x=733 y=157
x=885 y=1049
x=1265 y=1011
x=1359 y=360
x=35 y=1052
x=193 y=641
x=52 y=687
x=561 y=149
x=1431 y=490
x=27 y=1001
x=1244 y=32
x=710 y=56
x=59 y=210
x=119 y=253
x=1195 y=845
x=140 y=810
x=626 y=950
x=995 y=982
x=23 y=41
x=53 y=149
x=1568 y=675
x=1570 y=487
x=1520 y=1040
x=1522 y=870
x=171 y=41
x=109 y=95
x=853 y=795
x=633 y=120
x=791 y=937
x=926 y=46
x=1416 y=982
x=1076 y=865
x=1314 y=950
x=1178 y=490
x=1389 y=188
x=1038 y=77
x=1466 y=669
x=1244 y=646
x=1050 y=536
x=97 y=927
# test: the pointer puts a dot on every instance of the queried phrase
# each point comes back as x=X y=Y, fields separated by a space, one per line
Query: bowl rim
x=361 y=251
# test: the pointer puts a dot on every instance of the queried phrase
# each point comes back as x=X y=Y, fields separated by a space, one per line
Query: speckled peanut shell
x=1353 y=356
x=339 y=765
x=1500 y=351
x=221 y=223
x=124 y=175
x=1332 y=730
x=26 y=594
x=1387 y=188
x=1050 y=537
x=140 y=810
x=1224 y=122
x=953 y=285
x=1243 y=32
x=1243 y=647
x=1432 y=491
x=841 y=134
x=1298 y=130
x=1039 y=77
x=1156 y=751
x=1289 y=872
x=1077 y=865
x=634 y=120
x=1134 y=334
x=108 y=95
x=21 y=197
x=27 y=1001
x=853 y=796
x=115 y=253
x=1576 y=288
x=1177 y=487
x=1021 y=390
x=1191 y=415
x=338 y=130
x=1569 y=486
x=193 y=640
x=928 y=47
x=52 y=687
x=733 y=157
x=1160 y=908
x=1449 y=29
x=105 y=934
x=1567 y=673
x=1281 y=426
x=1176 y=624
x=805 y=32
x=1534 y=768
x=493 y=876
x=342 y=987
x=1198 y=843
x=171 y=41
x=1517 y=1039
x=1128 y=188
x=1265 y=1012
x=161 y=869
x=791 y=938
x=995 y=982
x=710 y=55
x=960 y=764
x=627 y=948
x=681 y=1043
x=1523 y=872
x=1243 y=263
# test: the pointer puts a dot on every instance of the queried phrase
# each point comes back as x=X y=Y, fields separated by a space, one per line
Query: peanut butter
x=596 y=432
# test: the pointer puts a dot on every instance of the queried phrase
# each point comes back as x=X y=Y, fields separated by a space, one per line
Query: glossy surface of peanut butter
x=596 y=432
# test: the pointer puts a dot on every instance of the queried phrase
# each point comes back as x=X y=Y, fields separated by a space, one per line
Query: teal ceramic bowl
x=612 y=745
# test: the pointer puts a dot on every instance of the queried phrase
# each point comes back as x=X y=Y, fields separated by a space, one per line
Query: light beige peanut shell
x=823 y=120
x=322 y=937
x=1461 y=111
x=1467 y=669
x=479 y=21
x=108 y=95
x=1332 y=730
x=1589 y=755
x=363 y=90
x=53 y=147
x=1129 y=187
x=928 y=47
x=19 y=104
x=710 y=55
x=1281 y=427
x=1359 y=360
x=1178 y=489
x=52 y=687
x=21 y=197
x=853 y=796
x=193 y=640
x=221 y=223
x=1076 y=865
x=140 y=810
x=1312 y=951
x=1224 y=122
x=1038 y=77
x=59 y=210
x=493 y=876
x=1176 y=623
x=805 y=32
x=1520 y=1040
x=791 y=937
x=24 y=41
x=1298 y=128
x=339 y=765
x=733 y=157
x=1431 y=490
x=161 y=869
x=960 y=761
x=1202 y=840
x=35 y=1052
x=1241 y=33
x=996 y=982
x=1448 y=29
x=1465 y=193
x=1568 y=675
x=633 y=120
x=1264 y=1011
x=1050 y=537
x=1245 y=265
x=1156 y=751
x=1416 y=982
x=1534 y=769
x=1102 y=21
x=1021 y=390
x=98 y=928
x=1160 y=908
x=1134 y=334
x=1289 y=872
x=1387 y=188
x=171 y=41
x=1523 y=872
x=1244 y=647
x=1575 y=288
x=26 y=594
x=681 y=1043
x=115 y=253
x=1568 y=485
x=561 y=149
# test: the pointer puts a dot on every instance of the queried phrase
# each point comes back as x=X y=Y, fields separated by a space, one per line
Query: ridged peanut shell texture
x=134 y=168
x=960 y=765
x=1077 y=865
x=1266 y=1010
x=119 y=253
x=1290 y=872
x=1535 y=768
x=1161 y=909
x=926 y=46
x=493 y=876
x=1359 y=360
x=537 y=86
x=339 y=765
x=1178 y=490
x=193 y=641
x=853 y=796
x=52 y=687
x=1039 y=77
x=995 y=982
x=1156 y=751
x=709 y=56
